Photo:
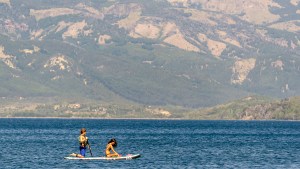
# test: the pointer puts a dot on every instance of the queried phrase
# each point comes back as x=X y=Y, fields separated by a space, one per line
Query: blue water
x=43 y=143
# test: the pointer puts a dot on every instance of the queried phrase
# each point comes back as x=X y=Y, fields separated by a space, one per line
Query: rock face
x=253 y=11
x=295 y=2
x=5 y=2
x=7 y=59
x=103 y=38
x=76 y=28
x=241 y=69
x=58 y=61
x=55 y=12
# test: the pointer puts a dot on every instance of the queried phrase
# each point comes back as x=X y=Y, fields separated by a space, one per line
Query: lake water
x=43 y=143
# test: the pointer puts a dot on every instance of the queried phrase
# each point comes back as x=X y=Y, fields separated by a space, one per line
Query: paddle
x=89 y=148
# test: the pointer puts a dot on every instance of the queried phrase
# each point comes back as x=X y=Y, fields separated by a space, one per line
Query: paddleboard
x=127 y=157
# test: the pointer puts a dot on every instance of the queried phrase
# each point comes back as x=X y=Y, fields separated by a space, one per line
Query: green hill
x=251 y=108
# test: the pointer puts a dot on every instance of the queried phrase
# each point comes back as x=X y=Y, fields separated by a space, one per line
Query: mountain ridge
x=193 y=54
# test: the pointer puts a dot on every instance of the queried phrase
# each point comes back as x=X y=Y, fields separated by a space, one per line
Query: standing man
x=83 y=143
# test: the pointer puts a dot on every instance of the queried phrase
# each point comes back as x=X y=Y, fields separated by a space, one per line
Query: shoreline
x=99 y=118
x=93 y=118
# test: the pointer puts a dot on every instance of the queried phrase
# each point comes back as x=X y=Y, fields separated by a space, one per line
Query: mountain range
x=186 y=53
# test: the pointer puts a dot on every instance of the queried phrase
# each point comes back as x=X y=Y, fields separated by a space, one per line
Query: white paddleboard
x=127 y=157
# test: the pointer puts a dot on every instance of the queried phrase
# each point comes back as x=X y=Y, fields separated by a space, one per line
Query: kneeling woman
x=110 y=147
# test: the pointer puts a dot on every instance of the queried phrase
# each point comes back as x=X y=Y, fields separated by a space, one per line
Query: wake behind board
x=127 y=157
